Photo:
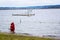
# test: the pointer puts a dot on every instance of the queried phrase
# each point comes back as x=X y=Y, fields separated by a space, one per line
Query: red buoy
x=12 y=27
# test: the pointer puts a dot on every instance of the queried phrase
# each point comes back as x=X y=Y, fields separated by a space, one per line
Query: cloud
x=27 y=2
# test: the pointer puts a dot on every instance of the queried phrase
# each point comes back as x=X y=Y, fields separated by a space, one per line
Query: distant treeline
x=31 y=7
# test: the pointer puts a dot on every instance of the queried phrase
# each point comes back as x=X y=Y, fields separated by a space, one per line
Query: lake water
x=45 y=21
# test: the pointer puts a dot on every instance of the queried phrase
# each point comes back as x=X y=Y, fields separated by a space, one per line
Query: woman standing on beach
x=12 y=27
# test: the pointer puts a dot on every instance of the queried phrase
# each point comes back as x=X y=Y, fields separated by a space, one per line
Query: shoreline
x=10 y=36
x=29 y=35
x=26 y=34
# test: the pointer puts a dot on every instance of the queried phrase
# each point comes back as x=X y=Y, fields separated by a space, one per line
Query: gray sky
x=18 y=3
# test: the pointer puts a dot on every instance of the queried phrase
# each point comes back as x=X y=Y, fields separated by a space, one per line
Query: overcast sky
x=18 y=3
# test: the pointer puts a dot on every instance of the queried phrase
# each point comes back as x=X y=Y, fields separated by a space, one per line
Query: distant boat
x=23 y=14
x=28 y=13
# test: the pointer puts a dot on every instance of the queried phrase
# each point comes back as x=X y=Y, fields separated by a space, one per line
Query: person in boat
x=12 y=27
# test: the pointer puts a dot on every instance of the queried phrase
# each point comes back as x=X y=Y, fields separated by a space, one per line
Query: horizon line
x=31 y=7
